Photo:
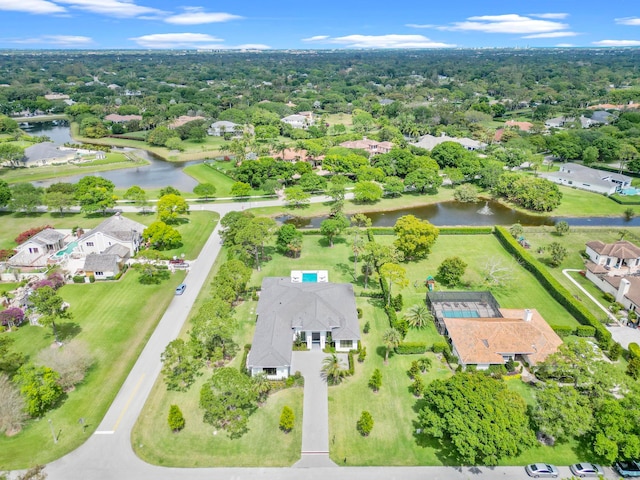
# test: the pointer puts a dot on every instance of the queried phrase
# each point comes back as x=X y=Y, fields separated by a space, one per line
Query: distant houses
x=222 y=127
x=428 y=142
x=302 y=120
x=370 y=146
x=183 y=120
x=116 y=118
x=591 y=179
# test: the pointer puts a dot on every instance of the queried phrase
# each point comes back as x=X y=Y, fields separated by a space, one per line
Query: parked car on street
x=180 y=288
x=586 y=470
x=628 y=469
x=536 y=470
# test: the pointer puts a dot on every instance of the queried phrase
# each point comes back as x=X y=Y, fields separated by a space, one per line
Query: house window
x=89 y=244
x=33 y=250
x=270 y=371
x=98 y=274
x=346 y=343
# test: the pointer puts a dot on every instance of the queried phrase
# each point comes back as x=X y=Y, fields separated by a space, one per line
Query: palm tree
x=262 y=386
x=391 y=339
x=418 y=316
x=332 y=371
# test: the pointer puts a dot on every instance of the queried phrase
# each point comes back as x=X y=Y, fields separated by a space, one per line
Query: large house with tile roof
x=309 y=313
x=483 y=334
x=370 y=146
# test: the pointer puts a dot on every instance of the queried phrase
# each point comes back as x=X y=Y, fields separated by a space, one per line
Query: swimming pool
x=460 y=314
x=309 y=277
x=67 y=250
x=630 y=191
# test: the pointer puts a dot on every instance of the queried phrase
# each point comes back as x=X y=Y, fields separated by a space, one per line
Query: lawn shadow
x=67 y=331
x=345 y=270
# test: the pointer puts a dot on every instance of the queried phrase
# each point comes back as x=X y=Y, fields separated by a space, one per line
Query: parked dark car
x=628 y=469
x=536 y=470
x=586 y=470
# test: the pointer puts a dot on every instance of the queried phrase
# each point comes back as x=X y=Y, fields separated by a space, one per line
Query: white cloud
x=315 y=38
x=635 y=21
x=384 y=41
x=617 y=43
x=552 y=35
x=176 y=40
x=510 y=23
x=550 y=16
x=420 y=25
x=68 y=40
x=567 y=45
x=31 y=6
x=201 y=41
x=113 y=8
x=197 y=16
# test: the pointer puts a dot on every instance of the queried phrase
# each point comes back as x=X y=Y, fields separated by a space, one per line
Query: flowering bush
x=6 y=254
x=43 y=283
x=57 y=279
x=27 y=234
x=11 y=317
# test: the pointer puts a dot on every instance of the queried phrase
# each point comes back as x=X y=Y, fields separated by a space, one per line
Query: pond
x=476 y=214
x=157 y=174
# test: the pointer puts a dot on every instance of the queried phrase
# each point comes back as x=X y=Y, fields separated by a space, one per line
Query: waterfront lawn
x=194 y=233
x=580 y=203
x=214 y=174
x=115 y=320
x=113 y=161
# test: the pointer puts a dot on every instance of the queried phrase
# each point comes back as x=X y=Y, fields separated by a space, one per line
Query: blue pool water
x=67 y=250
x=460 y=314
x=630 y=191
x=310 y=277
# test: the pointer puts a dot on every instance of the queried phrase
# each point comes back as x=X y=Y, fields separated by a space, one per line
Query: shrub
x=439 y=347
x=397 y=302
x=362 y=354
x=609 y=297
x=510 y=365
x=614 y=352
x=175 y=419
x=11 y=317
x=245 y=354
x=615 y=308
x=359 y=311
x=585 y=331
x=563 y=330
x=408 y=348
x=92 y=279
x=6 y=254
x=414 y=370
x=287 y=419
x=634 y=350
x=375 y=382
x=365 y=424
x=417 y=387
x=497 y=371
x=557 y=291
x=633 y=368
x=424 y=363
x=367 y=327
x=78 y=279
x=352 y=363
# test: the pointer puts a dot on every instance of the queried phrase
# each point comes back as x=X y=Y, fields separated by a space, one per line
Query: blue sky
x=287 y=24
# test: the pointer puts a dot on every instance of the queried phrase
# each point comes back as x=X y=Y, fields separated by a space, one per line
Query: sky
x=326 y=24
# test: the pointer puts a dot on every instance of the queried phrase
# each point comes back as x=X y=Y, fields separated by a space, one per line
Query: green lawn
x=113 y=161
x=580 y=203
x=194 y=233
x=114 y=319
x=214 y=174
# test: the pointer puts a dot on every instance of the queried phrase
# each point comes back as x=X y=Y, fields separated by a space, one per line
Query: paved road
x=108 y=455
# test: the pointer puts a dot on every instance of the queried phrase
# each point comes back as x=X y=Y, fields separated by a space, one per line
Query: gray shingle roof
x=118 y=227
x=326 y=307
x=101 y=263
x=117 y=249
x=48 y=236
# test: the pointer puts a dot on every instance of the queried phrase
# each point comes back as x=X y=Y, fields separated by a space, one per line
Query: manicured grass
x=114 y=319
x=209 y=173
x=195 y=232
x=580 y=203
x=113 y=161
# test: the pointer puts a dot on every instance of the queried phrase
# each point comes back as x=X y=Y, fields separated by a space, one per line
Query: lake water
x=157 y=174
x=476 y=214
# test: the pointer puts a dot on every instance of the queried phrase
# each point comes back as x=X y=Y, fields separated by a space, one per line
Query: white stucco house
x=35 y=251
x=309 y=312
x=585 y=178
x=299 y=120
x=106 y=265
x=219 y=128
x=428 y=142
x=614 y=269
x=114 y=230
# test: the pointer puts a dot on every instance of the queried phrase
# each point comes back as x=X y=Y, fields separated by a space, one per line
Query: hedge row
x=634 y=350
x=557 y=291
x=580 y=330
x=625 y=200
x=309 y=231
x=409 y=348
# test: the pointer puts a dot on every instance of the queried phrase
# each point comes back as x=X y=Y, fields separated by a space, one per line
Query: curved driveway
x=108 y=454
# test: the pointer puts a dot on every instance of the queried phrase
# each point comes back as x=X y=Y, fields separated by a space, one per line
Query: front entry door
x=315 y=338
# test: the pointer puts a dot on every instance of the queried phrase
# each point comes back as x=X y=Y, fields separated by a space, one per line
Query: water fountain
x=485 y=210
